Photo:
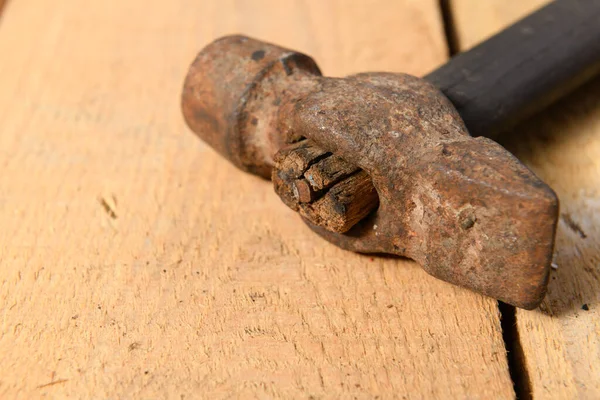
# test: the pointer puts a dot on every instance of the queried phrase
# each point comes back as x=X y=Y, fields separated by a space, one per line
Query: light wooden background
x=136 y=263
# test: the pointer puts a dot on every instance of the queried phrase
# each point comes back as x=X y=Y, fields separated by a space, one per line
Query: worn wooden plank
x=136 y=263
x=474 y=21
x=560 y=342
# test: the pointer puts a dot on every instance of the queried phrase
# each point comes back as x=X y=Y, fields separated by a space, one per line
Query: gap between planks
x=449 y=27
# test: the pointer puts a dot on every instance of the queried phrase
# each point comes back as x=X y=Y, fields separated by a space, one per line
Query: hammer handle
x=524 y=68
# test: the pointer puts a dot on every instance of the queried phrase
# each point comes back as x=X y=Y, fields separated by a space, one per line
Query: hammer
x=391 y=163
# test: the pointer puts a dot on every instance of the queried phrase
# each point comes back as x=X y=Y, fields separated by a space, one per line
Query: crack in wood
x=514 y=352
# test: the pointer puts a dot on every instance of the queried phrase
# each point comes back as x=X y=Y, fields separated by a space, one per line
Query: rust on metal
x=377 y=163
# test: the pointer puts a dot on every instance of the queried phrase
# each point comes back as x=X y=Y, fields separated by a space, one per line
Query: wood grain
x=474 y=21
x=136 y=263
x=560 y=341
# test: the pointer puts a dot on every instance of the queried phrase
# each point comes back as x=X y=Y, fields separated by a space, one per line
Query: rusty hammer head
x=464 y=208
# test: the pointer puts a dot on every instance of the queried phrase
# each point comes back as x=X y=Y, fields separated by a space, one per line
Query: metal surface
x=464 y=208
x=234 y=92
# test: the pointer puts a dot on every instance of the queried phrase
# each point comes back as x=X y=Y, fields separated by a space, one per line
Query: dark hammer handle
x=524 y=68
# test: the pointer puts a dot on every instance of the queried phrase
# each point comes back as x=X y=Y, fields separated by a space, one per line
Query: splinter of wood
x=323 y=188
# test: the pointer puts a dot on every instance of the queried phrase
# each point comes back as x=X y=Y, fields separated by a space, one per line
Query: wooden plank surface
x=136 y=263
x=474 y=21
x=560 y=342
